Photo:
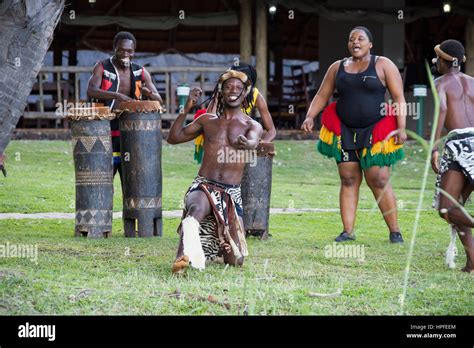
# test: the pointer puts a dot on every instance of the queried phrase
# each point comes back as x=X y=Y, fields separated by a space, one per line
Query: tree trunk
x=26 y=31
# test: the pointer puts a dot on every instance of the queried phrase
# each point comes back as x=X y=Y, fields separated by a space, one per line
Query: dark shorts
x=458 y=155
x=349 y=156
x=455 y=166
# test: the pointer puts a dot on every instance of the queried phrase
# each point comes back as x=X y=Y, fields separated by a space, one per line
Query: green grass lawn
x=281 y=275
x=44 y=170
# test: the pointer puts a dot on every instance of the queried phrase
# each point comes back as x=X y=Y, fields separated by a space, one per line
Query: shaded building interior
x=292 y=43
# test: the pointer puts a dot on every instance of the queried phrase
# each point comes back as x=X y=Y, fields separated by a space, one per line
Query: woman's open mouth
x=233 y=97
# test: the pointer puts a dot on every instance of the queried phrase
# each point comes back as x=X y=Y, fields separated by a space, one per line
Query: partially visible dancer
x=455 y=170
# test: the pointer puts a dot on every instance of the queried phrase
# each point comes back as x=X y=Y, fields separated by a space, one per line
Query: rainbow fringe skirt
x=381 y=152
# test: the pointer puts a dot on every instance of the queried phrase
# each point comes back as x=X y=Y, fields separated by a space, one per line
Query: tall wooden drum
x=92 y=151
x=256 y=191
x=140 y=143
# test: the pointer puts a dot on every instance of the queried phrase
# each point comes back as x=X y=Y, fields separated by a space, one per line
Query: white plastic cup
x=183 y=91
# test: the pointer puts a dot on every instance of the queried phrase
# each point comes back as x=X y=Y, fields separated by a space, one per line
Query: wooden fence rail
x=67 y=90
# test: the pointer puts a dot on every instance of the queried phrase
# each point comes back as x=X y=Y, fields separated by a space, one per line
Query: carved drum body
x=92 y=150
x=140 y=143
x=256 y=191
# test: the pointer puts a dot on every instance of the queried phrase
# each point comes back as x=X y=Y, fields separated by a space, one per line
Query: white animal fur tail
x=452 y=249
x=192 y=243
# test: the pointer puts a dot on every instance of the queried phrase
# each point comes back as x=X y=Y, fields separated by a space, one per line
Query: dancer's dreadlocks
x=217 y=93
x=217 y=98
x=251 y=73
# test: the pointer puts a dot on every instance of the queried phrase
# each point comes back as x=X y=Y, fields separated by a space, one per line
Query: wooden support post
x=72 y=77
x=57 y=61
x=470 y=47
x=245 y=21
x=261 y=46
x=201 y=81
x=41 y=94
x=72 y=59
x=168 y=93
x=76 y=88
x=58 y=53
x=58 y=87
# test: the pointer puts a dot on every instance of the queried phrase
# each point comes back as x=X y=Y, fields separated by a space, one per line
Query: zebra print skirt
x=458 y=152
x=226 y=204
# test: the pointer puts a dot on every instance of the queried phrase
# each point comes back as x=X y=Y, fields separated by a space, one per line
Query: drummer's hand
x=146 y=91
x=193 y=97
x=122 y=97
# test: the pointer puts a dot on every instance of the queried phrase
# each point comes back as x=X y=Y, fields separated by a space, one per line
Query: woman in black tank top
x=356 y=128
x=361 y=96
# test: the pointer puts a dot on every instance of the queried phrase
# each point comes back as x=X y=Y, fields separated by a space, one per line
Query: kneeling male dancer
x=211 y=228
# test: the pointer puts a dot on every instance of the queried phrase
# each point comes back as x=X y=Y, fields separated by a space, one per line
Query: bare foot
x=469 y=268
x=180 y=265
